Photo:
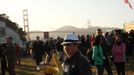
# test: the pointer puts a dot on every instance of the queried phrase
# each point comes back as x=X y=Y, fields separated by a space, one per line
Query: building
x=9 y=28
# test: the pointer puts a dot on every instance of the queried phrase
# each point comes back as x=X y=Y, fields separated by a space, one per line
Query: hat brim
x=64 y=43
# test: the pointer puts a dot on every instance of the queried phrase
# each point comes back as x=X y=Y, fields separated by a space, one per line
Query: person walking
x=38 y=51
x=10 y=54
x=118 y=51
x=97 y=55
x=106 y=56
x=48 y=50
x=74 y=62
x=18 y=53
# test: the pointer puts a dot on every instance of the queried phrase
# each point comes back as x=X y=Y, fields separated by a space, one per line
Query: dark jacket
x=77 y=65
x=10 y=51
x=38 y=49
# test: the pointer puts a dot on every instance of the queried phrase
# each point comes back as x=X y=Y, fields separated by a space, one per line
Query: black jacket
x=77 y=65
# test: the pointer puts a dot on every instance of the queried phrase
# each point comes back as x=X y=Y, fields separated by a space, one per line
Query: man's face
x=69 y=49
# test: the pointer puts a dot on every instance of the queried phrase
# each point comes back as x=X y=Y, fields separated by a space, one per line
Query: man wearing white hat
x=74 y=62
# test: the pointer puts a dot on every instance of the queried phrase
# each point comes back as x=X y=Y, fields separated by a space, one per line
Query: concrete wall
x=53 y=34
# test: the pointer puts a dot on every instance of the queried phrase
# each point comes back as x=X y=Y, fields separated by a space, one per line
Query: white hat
x=70 y=38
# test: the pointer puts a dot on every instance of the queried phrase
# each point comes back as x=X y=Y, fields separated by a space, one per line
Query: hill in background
x=90 y=29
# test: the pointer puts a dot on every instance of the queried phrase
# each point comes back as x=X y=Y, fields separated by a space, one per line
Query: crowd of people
x=76 y=53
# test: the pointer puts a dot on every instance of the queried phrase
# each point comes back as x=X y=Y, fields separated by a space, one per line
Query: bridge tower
x=26 y=23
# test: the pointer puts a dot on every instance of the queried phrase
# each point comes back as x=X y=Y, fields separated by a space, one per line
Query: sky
x=48 y=15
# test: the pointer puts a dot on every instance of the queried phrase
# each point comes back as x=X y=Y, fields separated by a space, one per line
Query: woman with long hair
x=97 y=55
